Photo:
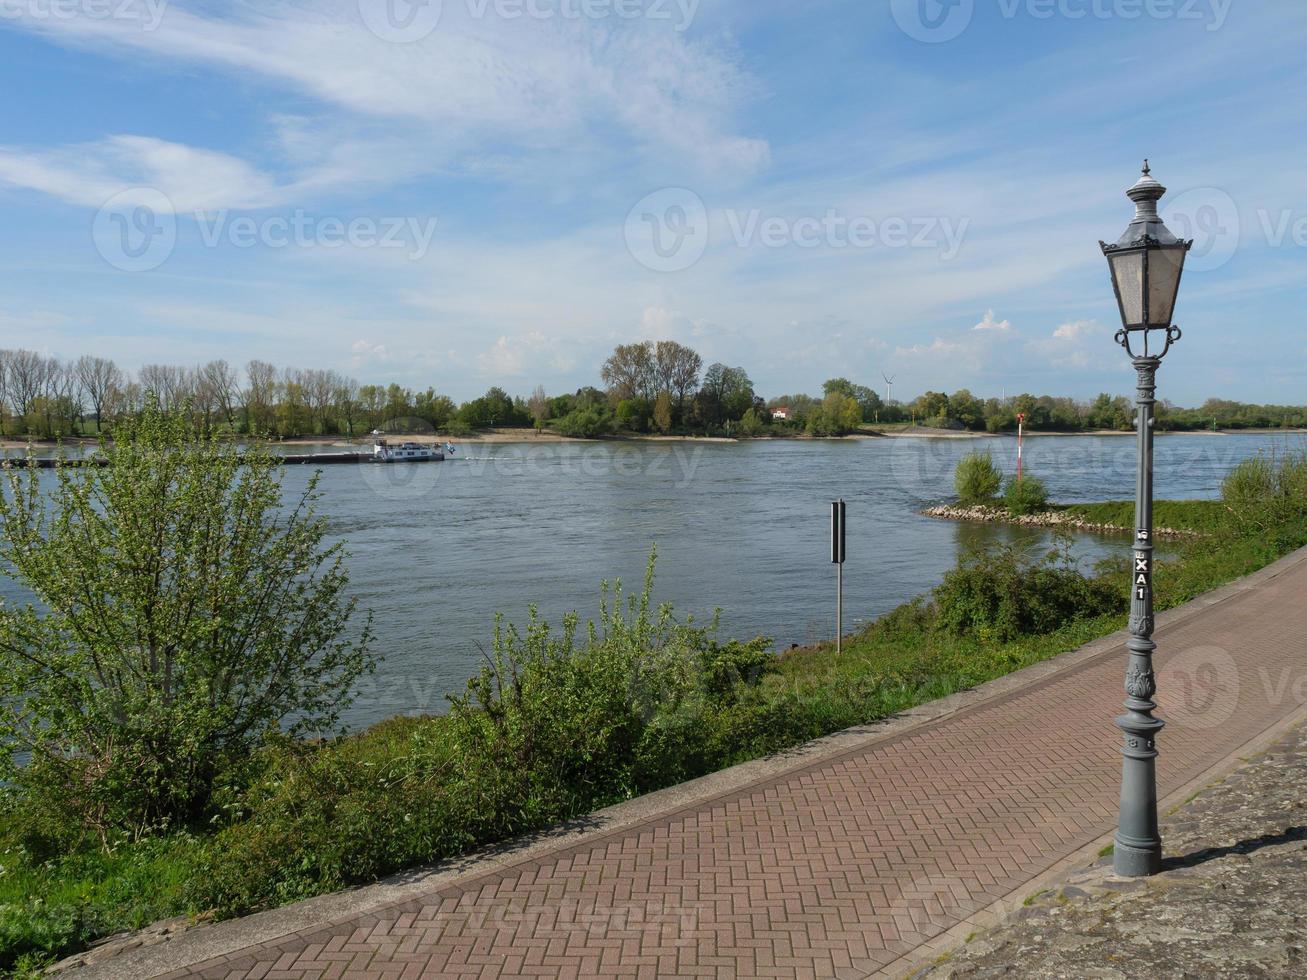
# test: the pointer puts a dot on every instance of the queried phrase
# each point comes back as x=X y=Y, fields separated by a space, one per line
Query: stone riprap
x=1230 y=902
x=1048 y=518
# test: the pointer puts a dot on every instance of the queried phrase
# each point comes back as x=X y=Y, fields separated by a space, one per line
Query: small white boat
x=405 y=452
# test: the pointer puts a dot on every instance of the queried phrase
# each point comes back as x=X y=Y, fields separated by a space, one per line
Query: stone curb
x=268 y=928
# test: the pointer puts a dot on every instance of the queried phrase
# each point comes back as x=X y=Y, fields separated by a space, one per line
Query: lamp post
x=1146 y=265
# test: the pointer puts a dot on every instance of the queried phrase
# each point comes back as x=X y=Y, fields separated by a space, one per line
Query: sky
x=468 y=193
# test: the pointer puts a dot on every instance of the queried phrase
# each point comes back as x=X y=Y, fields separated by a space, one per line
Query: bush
x=1001 y=596
x=1267 y=498
x=558 y=723
x=977 y=479
x=183 y=615
x=585 y=423
x=1025 y=496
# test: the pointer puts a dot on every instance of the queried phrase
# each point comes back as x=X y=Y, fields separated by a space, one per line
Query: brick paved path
x=841 y=868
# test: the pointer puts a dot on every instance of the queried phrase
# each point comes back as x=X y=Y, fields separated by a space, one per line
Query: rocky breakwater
x=1048 y=518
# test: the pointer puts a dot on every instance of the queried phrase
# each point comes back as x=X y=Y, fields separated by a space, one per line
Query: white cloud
x=90 y=174
x=1076 y=344
x=538 y=82
x=365 y=352
x=990 y=324
x=1075 y=330
x=503 y=360
x=939 y=347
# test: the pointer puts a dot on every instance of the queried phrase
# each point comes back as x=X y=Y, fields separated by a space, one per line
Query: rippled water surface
x=437 y=549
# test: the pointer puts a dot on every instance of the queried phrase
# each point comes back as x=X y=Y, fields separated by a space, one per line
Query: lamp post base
x=1136 y=860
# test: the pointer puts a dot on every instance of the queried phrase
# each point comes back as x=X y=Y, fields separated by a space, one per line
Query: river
x=437 y=549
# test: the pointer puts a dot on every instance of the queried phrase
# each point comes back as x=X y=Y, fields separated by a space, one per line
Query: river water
x=437 y=549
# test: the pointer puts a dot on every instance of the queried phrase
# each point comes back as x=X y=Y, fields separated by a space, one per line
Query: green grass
x=321 y=817
x=1203 y=516
x=66 y=904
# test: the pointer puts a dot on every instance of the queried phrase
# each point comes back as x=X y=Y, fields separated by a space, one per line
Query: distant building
x=781 y=413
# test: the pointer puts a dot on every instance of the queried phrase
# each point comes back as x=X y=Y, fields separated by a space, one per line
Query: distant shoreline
x=530 y=437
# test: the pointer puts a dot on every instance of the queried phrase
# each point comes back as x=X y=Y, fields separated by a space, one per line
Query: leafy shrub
x=1025 y=496
x=183 y=614
x=977 y=479
x=1003 y=595
x=1267 y=498
x=585 y=423
x=557 y=723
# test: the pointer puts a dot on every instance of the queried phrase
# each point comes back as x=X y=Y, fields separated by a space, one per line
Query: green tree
x=977 y=479
x=967 y=409
x=633 y=414
x=932 y=406
x=662 y=412
x=751 y=424
x=183 y=613
x=1025 y=496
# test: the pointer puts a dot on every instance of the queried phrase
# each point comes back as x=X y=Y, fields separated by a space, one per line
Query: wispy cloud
x=535 y=82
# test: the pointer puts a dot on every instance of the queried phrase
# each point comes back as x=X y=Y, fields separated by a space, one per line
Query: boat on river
x=404 y=452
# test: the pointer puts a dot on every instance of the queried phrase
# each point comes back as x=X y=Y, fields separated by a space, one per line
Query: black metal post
x=1138 y=849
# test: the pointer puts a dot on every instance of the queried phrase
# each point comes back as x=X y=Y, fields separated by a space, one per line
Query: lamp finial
x=1147 y=169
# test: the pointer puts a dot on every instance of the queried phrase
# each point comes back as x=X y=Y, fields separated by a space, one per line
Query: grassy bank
x=567 y=719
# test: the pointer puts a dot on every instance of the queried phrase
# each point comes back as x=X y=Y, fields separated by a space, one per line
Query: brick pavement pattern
x=839 y=869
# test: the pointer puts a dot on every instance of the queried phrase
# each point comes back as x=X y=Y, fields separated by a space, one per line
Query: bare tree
x=538 y=406
x=345 y=399
x=260 y=395
x=99 y=378
x=64 y=403
x=319 y=387
x=171 y=384
x=4 y=389
x=217 y=382
x=26 y=379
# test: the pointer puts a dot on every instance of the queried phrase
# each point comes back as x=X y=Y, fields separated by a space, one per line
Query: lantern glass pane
x=1164 y=267
x=1128 y=273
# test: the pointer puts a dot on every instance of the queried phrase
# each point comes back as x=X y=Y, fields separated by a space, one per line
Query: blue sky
x=482 y=192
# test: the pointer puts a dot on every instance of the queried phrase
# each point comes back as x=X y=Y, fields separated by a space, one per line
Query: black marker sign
x=837 y=532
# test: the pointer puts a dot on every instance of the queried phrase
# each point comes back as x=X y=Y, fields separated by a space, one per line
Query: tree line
x=1106 y=412
x=648 y=387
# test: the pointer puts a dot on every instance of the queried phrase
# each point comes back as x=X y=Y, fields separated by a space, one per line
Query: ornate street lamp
x=1146 y=267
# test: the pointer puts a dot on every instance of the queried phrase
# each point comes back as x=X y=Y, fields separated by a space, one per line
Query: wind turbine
x=889 y=388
